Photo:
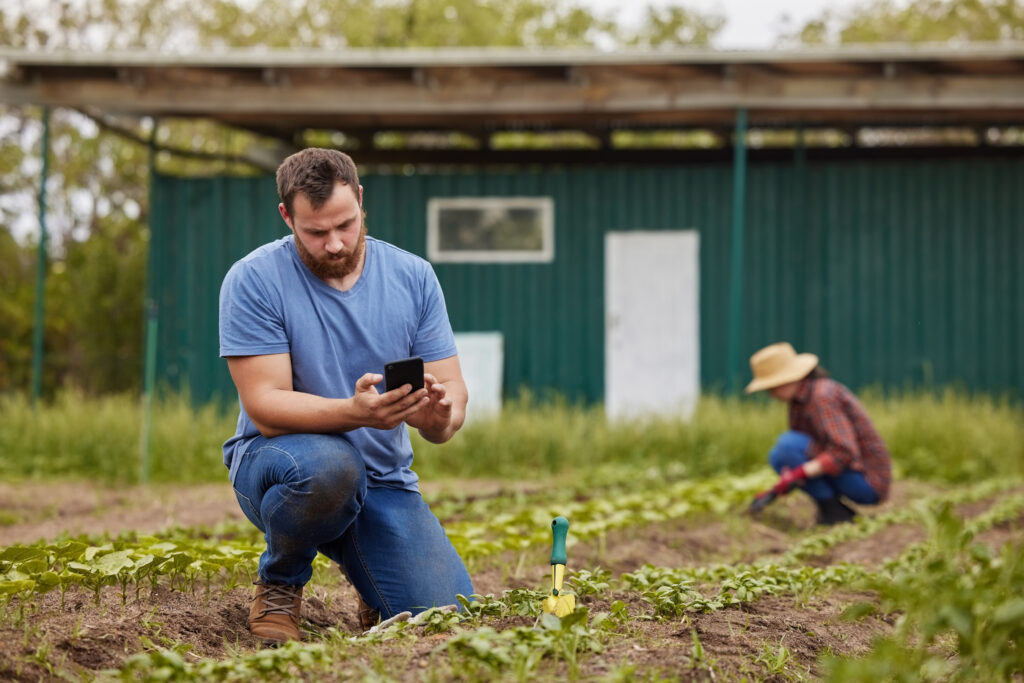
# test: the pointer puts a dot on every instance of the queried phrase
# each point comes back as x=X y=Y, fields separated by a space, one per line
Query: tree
x=886 y=21
x=97 y=192
x=676 y=26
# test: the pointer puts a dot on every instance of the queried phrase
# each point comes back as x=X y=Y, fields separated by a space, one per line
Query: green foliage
x=956 y=598
x=17 y=301
x=888 y=21
x=98 y=200
x=485 y=651
x=947 y=437
x=955 y=588
x=291 y=661
x=36 y=569
x=521 y=527
x=675 y=26
x=98 y=439
x=951 y=437
x=546 y=437
x=674 y=592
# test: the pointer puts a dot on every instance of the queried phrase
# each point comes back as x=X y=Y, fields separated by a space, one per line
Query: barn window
x=491 y=229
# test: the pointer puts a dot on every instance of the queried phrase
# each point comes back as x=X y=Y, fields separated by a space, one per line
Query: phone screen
x=405 y=371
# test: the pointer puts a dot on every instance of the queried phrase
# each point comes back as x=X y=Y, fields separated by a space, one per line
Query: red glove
x=828 y=465
x=789 y=479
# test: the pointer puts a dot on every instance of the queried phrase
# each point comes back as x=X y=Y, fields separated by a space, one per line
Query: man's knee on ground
x=336 y=478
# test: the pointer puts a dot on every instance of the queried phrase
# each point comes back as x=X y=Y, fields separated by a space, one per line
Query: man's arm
x=265 y=388
x=446 y=411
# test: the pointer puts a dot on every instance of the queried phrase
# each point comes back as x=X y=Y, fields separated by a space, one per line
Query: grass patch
x=949 y=436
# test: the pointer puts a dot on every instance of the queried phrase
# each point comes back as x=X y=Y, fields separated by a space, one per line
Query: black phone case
x=405 y=371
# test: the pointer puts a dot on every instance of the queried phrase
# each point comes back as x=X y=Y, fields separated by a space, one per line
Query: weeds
x=948 y=436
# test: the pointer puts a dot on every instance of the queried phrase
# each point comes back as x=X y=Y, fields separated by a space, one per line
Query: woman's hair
x=818 y=373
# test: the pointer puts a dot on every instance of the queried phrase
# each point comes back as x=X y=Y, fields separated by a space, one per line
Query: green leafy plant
x=953 y=588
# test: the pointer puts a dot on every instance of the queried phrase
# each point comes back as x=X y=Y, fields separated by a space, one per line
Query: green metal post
x=37 y=340
x=739 y=192
x=149 y=360
x=800 y=220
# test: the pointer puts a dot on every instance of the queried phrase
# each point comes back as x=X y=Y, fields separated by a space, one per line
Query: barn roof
x=480 y=91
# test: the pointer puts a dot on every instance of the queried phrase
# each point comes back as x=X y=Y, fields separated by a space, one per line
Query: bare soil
x=81 y=634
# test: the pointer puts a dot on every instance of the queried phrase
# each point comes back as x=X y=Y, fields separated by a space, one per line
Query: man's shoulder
x=262 y=257
x=395 y=261
x=389 y=251
x=268 y=252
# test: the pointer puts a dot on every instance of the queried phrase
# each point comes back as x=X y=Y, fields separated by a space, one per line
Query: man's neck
x=349 y=281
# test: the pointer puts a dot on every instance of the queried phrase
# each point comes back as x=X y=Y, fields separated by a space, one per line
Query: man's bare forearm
x=279 y=411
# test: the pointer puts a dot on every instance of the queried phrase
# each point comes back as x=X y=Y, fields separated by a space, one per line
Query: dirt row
x=47 y=639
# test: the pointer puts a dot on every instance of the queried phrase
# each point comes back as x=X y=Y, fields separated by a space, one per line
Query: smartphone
x=405 y=371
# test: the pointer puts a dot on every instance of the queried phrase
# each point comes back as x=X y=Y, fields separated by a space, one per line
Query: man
x=832 y=449
x=321 y=459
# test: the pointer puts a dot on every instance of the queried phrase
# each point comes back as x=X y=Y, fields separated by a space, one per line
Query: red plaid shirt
x=832 y=416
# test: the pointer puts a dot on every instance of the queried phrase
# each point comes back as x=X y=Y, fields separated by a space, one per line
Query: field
x=105 y=578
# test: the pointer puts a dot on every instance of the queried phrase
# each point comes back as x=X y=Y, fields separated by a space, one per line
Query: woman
x=831 y=449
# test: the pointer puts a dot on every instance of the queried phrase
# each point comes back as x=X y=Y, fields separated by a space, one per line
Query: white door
x=652 y=334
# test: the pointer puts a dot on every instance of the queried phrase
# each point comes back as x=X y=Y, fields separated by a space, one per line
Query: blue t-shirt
x=271 y=303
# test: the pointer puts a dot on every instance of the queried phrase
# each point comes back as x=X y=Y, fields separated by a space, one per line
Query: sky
x=750 y=24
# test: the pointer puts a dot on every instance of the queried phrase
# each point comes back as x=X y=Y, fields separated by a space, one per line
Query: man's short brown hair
x=314 y=172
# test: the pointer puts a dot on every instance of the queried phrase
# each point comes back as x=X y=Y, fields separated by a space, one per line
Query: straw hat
x=779 y=364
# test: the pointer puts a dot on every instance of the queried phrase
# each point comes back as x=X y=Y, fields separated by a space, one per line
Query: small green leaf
x=858 y=611
x=1009 y=612
x=112 y=563
x=550 y=622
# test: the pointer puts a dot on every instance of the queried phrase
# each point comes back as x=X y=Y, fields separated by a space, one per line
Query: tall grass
x=947 y=436
x=533 y=439
x=99 y=438
x=950 y=436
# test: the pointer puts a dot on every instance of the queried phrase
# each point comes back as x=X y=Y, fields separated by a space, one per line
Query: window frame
x=546 y=211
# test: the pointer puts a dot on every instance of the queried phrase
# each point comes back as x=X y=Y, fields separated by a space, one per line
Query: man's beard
x=333 y=267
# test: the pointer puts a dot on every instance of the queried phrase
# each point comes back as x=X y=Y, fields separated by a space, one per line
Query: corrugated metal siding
x=895 y=273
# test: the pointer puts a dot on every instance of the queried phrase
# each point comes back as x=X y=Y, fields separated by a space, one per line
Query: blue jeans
x=307 y=493
x=790 y=451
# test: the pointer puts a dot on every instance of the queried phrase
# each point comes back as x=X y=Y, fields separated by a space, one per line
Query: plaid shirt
x=832 y=416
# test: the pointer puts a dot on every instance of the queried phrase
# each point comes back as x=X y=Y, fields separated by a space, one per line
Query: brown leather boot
x=274 y=613
x=368 y=617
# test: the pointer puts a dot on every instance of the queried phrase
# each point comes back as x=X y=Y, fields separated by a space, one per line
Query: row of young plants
x=927 y=581
x=674 y=591
x=521 y=526
x=183 y=559
x=960 y=606
x=526 y=526
x=27 y=570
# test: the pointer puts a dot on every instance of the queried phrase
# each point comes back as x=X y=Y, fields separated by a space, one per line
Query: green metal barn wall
x=895 y=273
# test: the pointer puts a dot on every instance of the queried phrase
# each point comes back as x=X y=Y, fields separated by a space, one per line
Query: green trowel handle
x=559 y=530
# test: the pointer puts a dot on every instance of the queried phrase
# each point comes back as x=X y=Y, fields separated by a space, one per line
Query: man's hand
x=387 y=410
x=435 y=418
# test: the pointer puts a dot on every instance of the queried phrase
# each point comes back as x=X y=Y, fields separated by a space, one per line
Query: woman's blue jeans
x=307 y=493
x=790 y=452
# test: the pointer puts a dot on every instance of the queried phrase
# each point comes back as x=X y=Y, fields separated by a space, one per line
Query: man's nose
x=334 y=245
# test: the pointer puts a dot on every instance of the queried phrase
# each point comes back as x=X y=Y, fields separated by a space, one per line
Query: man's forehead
x=340 y=198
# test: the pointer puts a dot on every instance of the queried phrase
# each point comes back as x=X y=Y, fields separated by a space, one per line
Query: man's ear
x=284 y=214
x=360 y=195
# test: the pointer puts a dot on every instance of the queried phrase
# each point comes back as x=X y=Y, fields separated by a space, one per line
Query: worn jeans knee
x=301 y=490
x=398 y=556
